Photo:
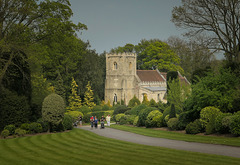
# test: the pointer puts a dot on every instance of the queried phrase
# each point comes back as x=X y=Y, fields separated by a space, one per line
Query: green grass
x=83 y=147
x=231 y=141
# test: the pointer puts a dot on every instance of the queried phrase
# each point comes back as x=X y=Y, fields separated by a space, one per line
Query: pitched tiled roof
x=149 y=75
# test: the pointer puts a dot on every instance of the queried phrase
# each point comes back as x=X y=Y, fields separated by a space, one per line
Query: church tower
x=120 y=80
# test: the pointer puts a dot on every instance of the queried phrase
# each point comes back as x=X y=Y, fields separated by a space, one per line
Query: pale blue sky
x=113 y=23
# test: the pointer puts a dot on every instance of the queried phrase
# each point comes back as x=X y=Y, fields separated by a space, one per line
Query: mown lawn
x=83 y=147
x=231 y=141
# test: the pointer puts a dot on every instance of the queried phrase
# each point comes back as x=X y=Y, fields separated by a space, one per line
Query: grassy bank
x=83 y=147
x=231 y=141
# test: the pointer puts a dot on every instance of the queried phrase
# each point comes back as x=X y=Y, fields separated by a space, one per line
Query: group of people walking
x=94 y=121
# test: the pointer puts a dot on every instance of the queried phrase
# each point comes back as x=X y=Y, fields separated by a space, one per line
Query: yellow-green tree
x=145 y=99
x=74 y=100
x=88 y=97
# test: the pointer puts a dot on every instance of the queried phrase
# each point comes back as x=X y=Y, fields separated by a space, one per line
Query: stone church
x=123 y=81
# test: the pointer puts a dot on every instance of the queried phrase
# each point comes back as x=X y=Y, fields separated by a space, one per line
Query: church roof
x=149 y=75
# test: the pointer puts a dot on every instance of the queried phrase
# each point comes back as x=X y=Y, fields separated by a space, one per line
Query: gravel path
x=174 y=144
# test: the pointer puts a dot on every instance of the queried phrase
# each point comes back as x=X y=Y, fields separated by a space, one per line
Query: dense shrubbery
x=235 y=124
x=20 y=132
x=173 y=123
x=105 y=107
x=194 y=127
x=97 y=108
x=74 y=115
x=136 y=110
x=207 y=114
x=130 y=119
x=218 y=89
x=43 y=124
x=134 y=102
x=119 y=116
x=11 y=128
x=68 y=122
x=143 y=115
x=136 y=121
x=187 y=117
x=25 y=126
x=5 y=133
x=84 y=109
x=222 y=122
x=35 y=127
x=120 y=109
x=150 y=122
x=14 y=109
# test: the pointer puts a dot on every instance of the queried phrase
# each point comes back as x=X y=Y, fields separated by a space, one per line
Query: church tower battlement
x=121 y=64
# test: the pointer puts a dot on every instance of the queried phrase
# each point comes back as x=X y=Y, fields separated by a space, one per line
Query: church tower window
x=115 y=65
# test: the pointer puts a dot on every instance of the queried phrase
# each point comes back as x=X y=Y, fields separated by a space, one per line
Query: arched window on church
x=115 y=98
x=115 y=65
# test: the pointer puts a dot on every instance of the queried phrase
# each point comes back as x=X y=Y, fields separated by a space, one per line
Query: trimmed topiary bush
x=35 y=127
x=68 y=122
x=25 y=126
x=123 y=120
x=130 y=119
x=222 y=123
x=194 y=127
x=53 y=108
x=20 y=132
x=208 y=113
x=5 y=133
x=11 y=128
x=159 y=120
x=150 y=122
x=173 y=123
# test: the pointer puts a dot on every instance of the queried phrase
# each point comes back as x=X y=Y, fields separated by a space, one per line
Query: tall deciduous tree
x=219 y=20
x=193 y=55
x=158 y=55
x=88 y=97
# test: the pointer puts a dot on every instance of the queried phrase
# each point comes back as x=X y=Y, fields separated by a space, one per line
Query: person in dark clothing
x=102 y=121
x=80 y=120
x=96 y=122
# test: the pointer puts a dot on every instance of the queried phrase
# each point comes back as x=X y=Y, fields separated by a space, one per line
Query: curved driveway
x=174 y=144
